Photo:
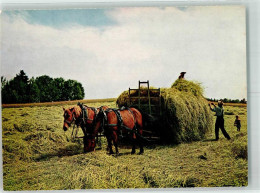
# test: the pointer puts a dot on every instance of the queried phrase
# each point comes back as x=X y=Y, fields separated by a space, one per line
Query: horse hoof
x=133 y=152
x=140 y=153
x=116 y=154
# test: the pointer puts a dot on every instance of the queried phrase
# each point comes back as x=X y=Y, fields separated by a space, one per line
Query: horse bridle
x=70 y=122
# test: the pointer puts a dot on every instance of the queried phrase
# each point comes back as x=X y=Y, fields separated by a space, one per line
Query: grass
x=39 y=155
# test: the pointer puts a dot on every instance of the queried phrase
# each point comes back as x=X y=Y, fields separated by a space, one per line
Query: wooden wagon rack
x=148 y=100
x=150 y=104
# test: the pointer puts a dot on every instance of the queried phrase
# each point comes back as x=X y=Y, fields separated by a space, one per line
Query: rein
x=76 y=132
x=82 y=120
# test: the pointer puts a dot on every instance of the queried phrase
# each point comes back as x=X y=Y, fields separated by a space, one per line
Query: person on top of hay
x=237 y=123
x=182 y=75
x=219 y=110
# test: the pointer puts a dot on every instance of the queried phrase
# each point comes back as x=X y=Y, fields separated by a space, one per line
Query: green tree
x=21 y=89
x=58 y=86
x=15 y=90
x=73 y=90
x=78 y=91
x=243 y=100
x=45 y=85
x=33 y=91
x=3 y=82
x=20 y=85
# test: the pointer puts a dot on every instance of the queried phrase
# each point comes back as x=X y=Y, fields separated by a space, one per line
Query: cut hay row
x=186 y=115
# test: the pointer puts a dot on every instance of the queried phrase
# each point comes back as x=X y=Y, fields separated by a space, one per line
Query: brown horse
x=127 y=121
x=84 y=117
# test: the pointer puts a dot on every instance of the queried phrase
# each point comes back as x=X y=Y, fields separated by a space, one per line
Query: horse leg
x=133 y=143
x=98 y=141
x=115 y=139
x=85 y=144
x=109 y=142
x=141 y=145
x=139 y=137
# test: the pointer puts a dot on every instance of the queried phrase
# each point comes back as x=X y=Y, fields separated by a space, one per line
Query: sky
x=110 y=50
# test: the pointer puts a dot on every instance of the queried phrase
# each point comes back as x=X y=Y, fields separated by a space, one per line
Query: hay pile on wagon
x=186 y=115
x=123 y=99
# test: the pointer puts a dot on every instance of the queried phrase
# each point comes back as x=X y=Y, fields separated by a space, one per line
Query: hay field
x=38 y=155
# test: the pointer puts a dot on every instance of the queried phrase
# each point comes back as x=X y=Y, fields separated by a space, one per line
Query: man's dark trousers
x=220 y=124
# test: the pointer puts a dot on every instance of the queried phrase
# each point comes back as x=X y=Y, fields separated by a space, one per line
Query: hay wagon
x=178 y=114
x=148 y=100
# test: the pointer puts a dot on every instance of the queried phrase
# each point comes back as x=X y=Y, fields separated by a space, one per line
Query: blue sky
x=108 y=50
x=64 y=18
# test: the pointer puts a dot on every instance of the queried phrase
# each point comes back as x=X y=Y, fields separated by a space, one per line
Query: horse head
x=101 y=115
x=69 y=117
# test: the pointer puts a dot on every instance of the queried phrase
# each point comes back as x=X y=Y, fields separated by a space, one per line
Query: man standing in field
x=219 y=110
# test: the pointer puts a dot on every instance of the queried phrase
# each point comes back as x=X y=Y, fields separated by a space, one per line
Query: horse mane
x=77 y=110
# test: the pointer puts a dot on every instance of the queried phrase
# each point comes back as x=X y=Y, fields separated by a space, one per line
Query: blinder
x=67 y=116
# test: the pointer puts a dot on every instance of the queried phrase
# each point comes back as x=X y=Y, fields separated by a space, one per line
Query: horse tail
x=147 y=118
x=139 y=118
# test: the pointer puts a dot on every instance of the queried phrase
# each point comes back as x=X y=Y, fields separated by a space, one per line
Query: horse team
x=112 y=122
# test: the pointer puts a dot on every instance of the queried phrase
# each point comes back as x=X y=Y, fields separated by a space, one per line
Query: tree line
x=226 y=100
x=21 y=89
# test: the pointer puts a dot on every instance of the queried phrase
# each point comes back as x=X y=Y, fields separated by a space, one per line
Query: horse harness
x=120 y=123
x=82 y=120
x=84 y=117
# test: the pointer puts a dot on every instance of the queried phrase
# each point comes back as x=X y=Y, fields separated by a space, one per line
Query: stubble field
x=39 y=155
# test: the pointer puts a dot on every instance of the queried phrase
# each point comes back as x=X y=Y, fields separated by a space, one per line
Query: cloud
x=145 y=44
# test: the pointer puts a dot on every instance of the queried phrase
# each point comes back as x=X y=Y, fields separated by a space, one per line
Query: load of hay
x=186 y=115
x=186 y=112
x=123 y=99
